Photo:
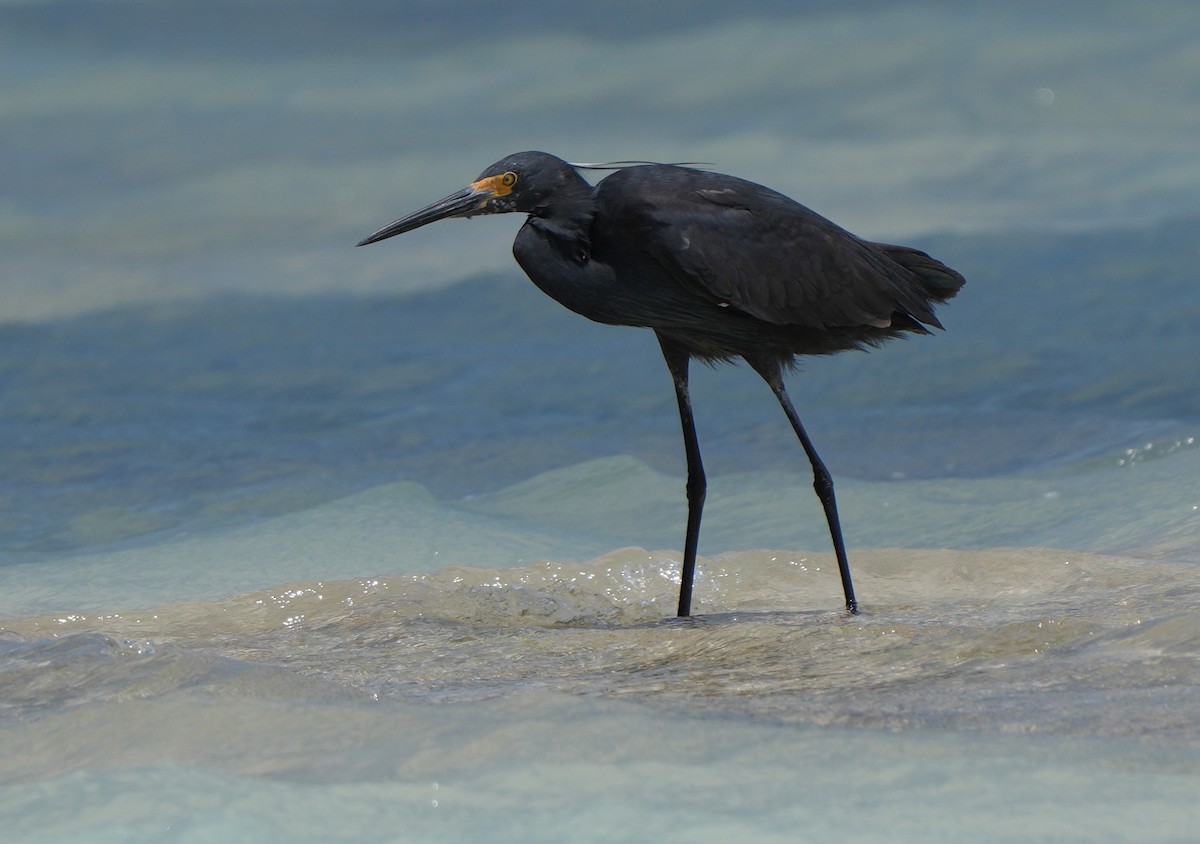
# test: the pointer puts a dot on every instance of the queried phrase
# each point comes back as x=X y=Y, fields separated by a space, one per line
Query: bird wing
x=745 y=246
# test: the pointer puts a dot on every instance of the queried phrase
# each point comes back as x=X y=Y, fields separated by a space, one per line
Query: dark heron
x=720 y=268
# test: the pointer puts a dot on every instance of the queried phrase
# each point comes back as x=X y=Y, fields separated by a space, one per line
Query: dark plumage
x=720 y=268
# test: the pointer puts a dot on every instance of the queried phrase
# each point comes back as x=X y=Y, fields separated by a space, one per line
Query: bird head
x=523 y=182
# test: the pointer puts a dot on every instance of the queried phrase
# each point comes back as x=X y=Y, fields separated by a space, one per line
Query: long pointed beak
x=464 y=203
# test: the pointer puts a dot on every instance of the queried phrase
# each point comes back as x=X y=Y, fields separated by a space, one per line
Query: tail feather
x=935 y=280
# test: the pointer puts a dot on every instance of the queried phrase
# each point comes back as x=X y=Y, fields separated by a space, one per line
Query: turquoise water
x=303 y=542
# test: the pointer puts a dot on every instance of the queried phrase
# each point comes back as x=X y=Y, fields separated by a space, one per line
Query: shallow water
x=301 y=542
x=1012 y=692
x=1036 y=632
x=542 y=767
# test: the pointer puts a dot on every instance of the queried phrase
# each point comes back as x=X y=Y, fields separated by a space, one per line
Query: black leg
x=822 y=480
x=677 y=361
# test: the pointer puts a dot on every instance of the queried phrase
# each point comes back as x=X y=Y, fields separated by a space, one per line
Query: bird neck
x=567 y=213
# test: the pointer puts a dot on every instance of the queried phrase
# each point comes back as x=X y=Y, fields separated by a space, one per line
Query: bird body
x=718 y=267
x=726 y=266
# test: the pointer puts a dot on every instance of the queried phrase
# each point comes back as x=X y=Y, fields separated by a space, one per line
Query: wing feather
x=745 y=246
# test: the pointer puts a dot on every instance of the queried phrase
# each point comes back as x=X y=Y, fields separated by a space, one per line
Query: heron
x=720 y=269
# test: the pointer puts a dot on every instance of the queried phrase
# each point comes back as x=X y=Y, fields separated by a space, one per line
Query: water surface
x=302 y=542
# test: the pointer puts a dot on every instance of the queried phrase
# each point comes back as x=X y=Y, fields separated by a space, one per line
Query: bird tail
x=929 y=281
x=935 y=281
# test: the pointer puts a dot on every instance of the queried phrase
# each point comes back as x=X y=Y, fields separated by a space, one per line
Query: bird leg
x=677 y=362
x=822 y=480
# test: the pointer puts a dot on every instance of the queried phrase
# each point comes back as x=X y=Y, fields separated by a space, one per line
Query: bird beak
x=467 y=202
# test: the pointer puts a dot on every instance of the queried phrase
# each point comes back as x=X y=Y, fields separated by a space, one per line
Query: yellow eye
x=508 y=179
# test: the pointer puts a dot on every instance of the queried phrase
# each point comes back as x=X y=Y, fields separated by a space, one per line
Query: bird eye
x=508 y=179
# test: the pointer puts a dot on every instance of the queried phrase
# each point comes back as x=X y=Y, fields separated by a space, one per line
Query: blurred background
x=189 y=339
x=159 y=150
